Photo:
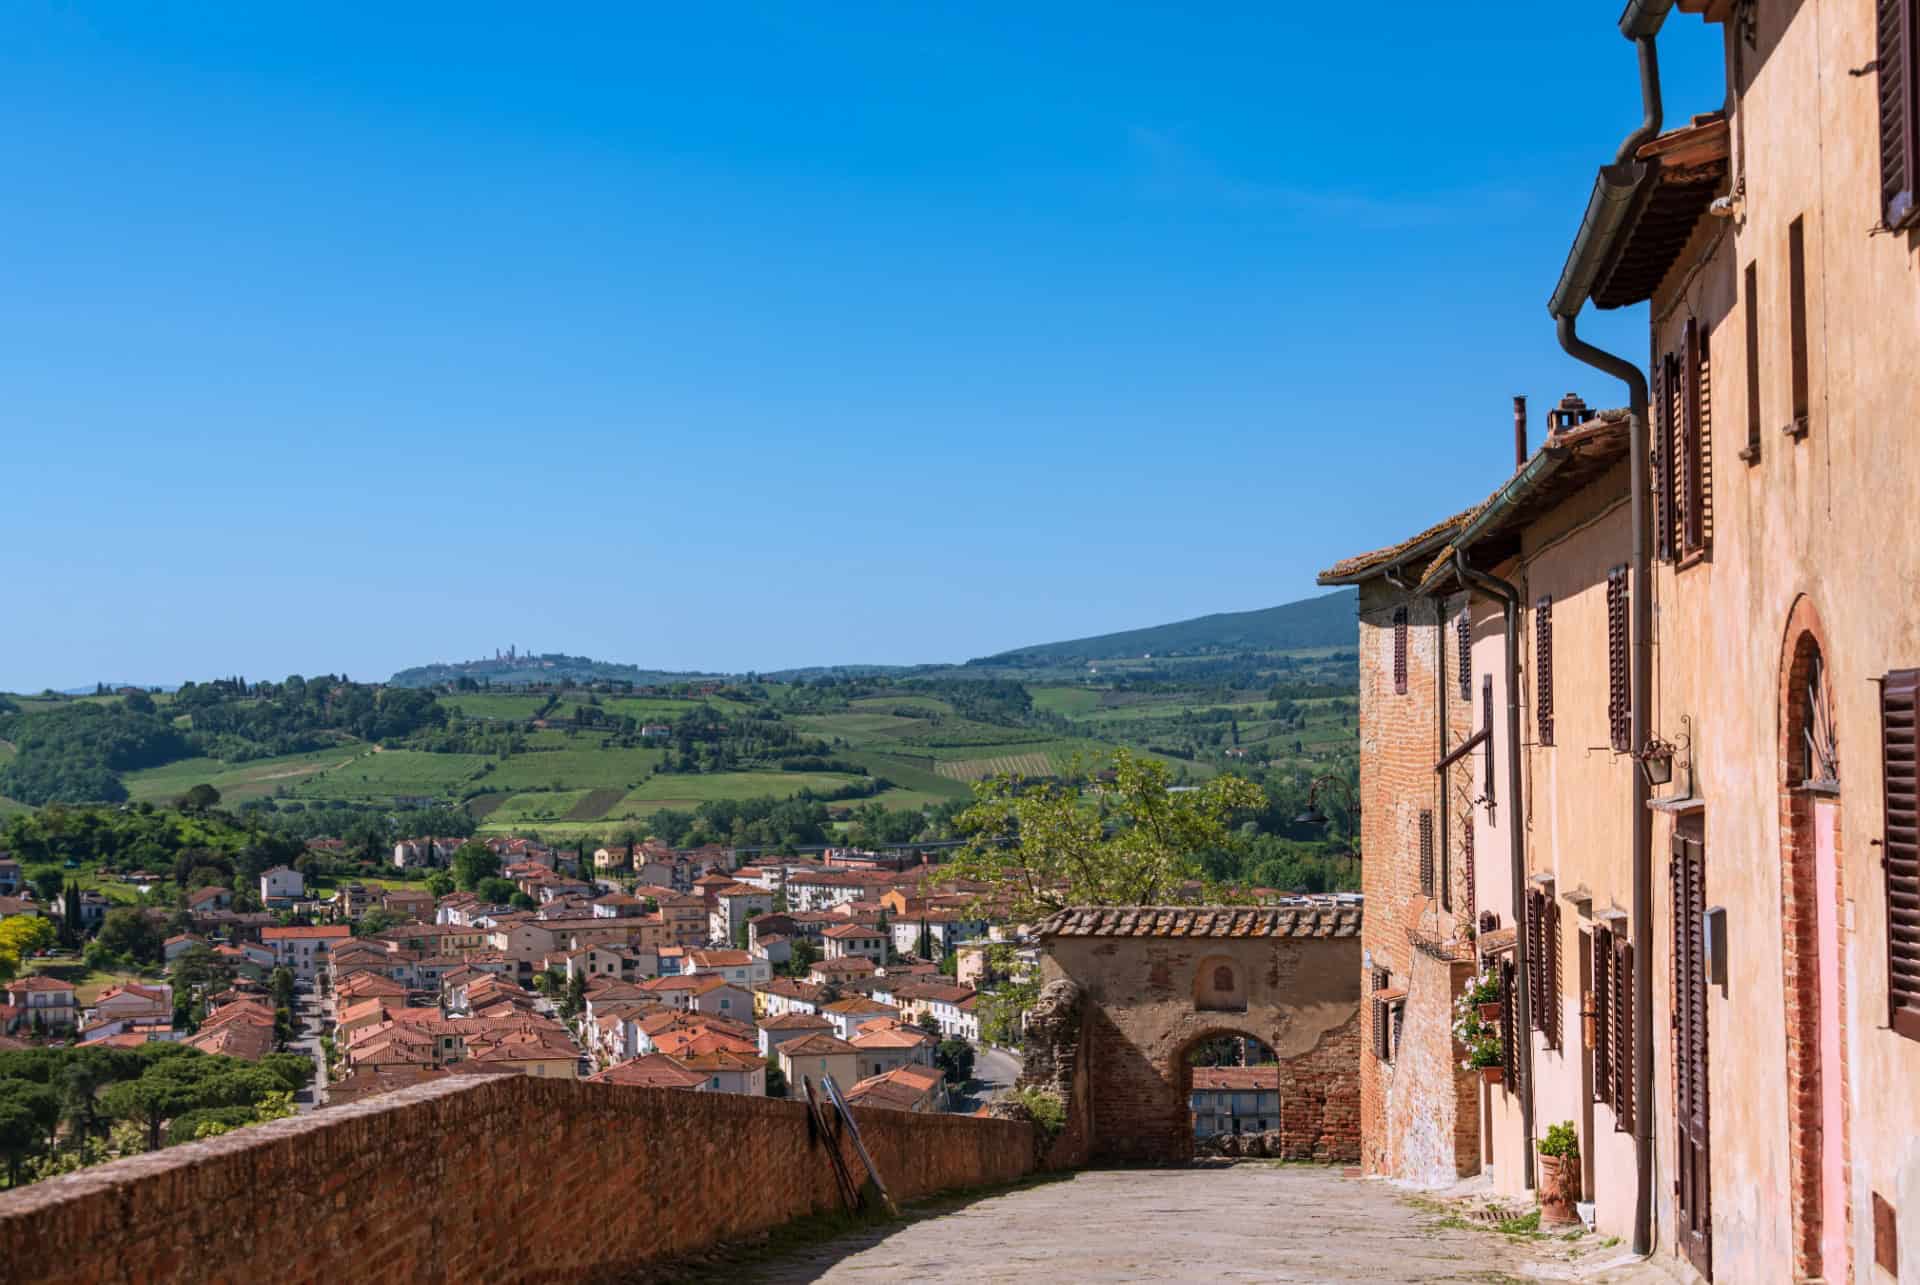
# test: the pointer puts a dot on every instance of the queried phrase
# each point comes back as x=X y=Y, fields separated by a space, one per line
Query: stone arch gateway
x=1150 y=986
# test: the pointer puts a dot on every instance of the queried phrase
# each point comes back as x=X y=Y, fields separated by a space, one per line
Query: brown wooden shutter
x=1692 y=1109
x=1693 y=528
x=1486 y=702
x=1426 y=853
x=1555 y=1023
x=1543 y=667
x=1603 y=1016
x=1509 y=1035
x=1465 y=631
x=1400 y=651
x=1466 y=860
x=1536 y=959
x=1900 y=848
x=1662 y=433
x=1379 y=1011
x=1622 y=1043
x=1898 y=110
x=1619 y=687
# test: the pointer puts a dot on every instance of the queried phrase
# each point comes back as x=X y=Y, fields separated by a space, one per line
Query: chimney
x=1570 y=413
x=1519 y=433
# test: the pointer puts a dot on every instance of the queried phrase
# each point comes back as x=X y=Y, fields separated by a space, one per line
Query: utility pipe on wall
x=1509 y=599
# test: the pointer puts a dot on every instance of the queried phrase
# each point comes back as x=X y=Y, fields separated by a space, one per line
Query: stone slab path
x=1243 y=1222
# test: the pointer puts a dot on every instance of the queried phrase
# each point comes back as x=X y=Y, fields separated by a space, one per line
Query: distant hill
x=1325 y=621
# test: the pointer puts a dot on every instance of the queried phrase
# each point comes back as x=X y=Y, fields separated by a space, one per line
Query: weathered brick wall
x=474 y=1180
x=1412 y=1124
x=1141 y=1022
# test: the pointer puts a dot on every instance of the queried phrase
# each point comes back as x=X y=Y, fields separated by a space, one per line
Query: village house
x=886 y=1044
x=784 y=995
x=816 y=1056
x=858 y=940
x=130 y=1002
x=905 y=1088
x=949 y=1004
x=728 y=1071
x=94 y=906
x=775 y=1031
x=849 y=1014
x=652 y=1071
x=412 y=904
x=179 y=944
x=9 y=875
x=304 y=949
x=736 y=966
x=1235 y=1099
x=281 y=887
x=702 y=993
x=351 y=900
x=38 y=1002
x=733 y=905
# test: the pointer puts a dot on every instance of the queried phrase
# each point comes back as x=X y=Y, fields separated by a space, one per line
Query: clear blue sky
x=349 y=337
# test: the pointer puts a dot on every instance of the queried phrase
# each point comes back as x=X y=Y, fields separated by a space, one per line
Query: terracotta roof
x=816 y=1046
x=654 y=1071
x=1364 y=565
x=797 y=1022
x=1498 y=940
x=1213 y=1078
x=899 y=1089
x=846 y=932
x=1320 y=920
x=304 y=932
x=38 y=982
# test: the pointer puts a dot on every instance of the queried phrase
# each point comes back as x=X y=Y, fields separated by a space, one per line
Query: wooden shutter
x=1509 y=1041
x=1466 y=860
x=1619 y=687
x=1898 y=162
x=1543 y=965
x=1380 y=1033
x=1693 y=522
x=1486 y=702
x=1662 y=432
x=1900 y=848
x=1426 y=853
x=1464 y=629
x=1543 y=667
x=1400 y=651
x=1603 y=1016
x=1535 y=929
x=1693 y=1172
x=1622 y=1041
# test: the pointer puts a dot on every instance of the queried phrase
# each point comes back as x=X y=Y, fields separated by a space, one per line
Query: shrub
x=1046 y=1108
x=1560 y=1141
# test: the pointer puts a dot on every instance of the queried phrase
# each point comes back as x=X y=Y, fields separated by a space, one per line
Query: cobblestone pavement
x=1243 y=1222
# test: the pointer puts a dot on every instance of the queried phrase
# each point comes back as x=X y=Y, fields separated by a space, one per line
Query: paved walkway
x=1243 y=1222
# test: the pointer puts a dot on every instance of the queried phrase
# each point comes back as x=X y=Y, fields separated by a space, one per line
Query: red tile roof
x=1315 y=920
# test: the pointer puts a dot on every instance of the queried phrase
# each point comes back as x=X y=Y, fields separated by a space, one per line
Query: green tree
x=496 y=890
x=130 y=934
x=955 y=1060
x=440 y=883
x=374 y=921
x=776 y=1078
x=201 y=798
x=1126 y=841
x=28 y=1114
x=576 y=996
x=472 y=863
x=281 y=986
x=150 y=1102
x=20 y=937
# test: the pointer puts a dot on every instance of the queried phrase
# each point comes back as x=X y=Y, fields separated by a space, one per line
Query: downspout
x=1509 y=600
x=1641 y=24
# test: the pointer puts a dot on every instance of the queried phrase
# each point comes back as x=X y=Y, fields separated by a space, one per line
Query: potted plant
x=1559 y=1185
x=1483 y=1055
x=1483 y=994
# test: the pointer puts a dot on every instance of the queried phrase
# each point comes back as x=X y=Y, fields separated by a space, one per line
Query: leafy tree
x=439 y=883
x=576 y=996
x=472 y=863
x=150 y=1102
x=201 y=798
x=374 y=921
x=805 y=955
x=521 y=901
x=1127 y=842
x=955 y=1059
x=497 y=890
x=20 y=937
x=28 y=1114
x=281 y=986
x=776 y=1078
x=128 y=933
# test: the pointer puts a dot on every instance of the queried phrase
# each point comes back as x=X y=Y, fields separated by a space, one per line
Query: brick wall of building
x=1412 y=1124
x=474 y=1180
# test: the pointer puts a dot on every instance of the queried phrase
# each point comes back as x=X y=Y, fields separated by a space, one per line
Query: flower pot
x=1490 y=1012
x=1559 y=1189
x=1492 y=1074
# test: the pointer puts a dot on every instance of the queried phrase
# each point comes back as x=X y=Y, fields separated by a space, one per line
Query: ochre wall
x=501 y=1178
x=1140 y=1022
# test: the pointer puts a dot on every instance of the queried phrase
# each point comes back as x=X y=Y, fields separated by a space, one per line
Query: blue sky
x=350 y=337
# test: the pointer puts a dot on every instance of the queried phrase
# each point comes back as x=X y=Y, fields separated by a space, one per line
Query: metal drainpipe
x=1509 y=599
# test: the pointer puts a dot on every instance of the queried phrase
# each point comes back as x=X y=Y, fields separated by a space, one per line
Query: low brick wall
x=477 y=1179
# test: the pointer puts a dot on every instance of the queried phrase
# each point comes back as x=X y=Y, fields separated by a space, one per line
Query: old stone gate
x=1129 y=991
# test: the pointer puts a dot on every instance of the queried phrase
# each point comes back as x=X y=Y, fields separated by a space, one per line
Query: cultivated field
x=999 y=765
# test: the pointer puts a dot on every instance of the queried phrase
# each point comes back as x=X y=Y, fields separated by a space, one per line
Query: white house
x=281 y=886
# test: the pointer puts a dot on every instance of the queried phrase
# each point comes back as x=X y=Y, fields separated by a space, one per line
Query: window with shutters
x=1543 y=964
x=1694 y=522
x=1400 y=651
x=1463 y=628
x=1426 y=853
x=1621 y=1043
x=1486 y=746
x=1603 y=1016
x=1382 y=1036
x=1900 y=848
x=1797 y=326
x=1619 y=689
x=1899 y=109
x=1666 y=381
x=1543 y=668
x=1509 y=1044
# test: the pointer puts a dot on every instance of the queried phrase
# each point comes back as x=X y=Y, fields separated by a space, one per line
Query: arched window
x=1217 y=985
x=1223 y=980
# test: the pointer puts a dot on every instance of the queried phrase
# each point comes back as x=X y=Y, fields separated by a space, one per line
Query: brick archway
x=1816 y=1032
x=1147 y=978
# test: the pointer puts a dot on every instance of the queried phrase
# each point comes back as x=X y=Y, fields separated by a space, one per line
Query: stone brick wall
x=1140 y=1022
x=474 y=1180
x=1413 y=1124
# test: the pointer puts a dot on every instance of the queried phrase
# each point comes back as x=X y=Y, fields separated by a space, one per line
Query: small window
x=1900 y=850
x=1426 y=852
x=1400 y=651
x=1750 y=305
x=1619 y=689
x=1464 y=640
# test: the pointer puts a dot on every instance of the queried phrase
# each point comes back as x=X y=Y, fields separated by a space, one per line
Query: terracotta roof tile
x=1301 y=920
